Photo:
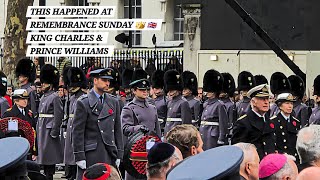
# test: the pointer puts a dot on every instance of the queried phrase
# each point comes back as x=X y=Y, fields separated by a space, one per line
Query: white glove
x=220 y=142
x=82 y=164
x=118 y=163
x=65 y=135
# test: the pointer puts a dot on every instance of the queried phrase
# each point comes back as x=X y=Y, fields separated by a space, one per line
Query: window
x=83 y=3
x=136 y=13
x=178 y=21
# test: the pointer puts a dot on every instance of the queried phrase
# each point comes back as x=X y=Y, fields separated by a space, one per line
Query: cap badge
x=144 y=82
x=178 y=76
x=249 y=78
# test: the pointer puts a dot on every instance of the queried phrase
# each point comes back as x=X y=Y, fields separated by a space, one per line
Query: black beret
x=97 y=171
x=159 y=153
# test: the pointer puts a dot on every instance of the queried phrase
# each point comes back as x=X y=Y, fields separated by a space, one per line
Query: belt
x=160 y=120
x=70 y=116
x=207 y=123
x=174 y=120
x=194 y=121
x=46 y=115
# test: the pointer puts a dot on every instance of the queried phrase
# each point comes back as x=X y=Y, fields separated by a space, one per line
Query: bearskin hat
x=172 y=80
x=116 y=81
x=279 y=83
x=50 y=75
x=212 y=81
x=139 y=74
x=126 y=78
x=260 y=79
x=26 y=68
x=229 y=85
x=246 y=81
x=316 y=86
x=76 y=77
x=3 y=84
x=189 y=81
x=298 y=86
x=157 y=79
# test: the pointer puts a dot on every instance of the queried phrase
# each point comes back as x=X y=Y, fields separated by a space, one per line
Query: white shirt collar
x=284 y=116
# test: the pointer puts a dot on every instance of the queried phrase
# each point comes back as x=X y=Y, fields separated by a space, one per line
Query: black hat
x=13 y=156
x=279 y=83
x=3 y=84
x=116 y=81
x=135 y=153
x=212 y=81
x=246 y=81
x=217 y=163
x=316 y=86
x=260 y=79
x=76 y=77
x=139 y=74
x=66 y=82
x=102 y=73
x=50 y=75
x=172 y=80
x=157 y=79
x=298 y=86
x=26 y=68
x=160 y=152
x=229 y=85
x=140 y=84
x=97 y=171
x=20 y=93
x=126 y=78
x=189 y=81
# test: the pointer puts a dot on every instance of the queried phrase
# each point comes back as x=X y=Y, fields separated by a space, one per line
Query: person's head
x=173 y=93
x=210 y=95
x=311 y=173
x=308 y=144
x=101 y=80
x=186 y=138
x=285 y=103
x=9 y=90
x=61 y=92
x=158 y=91
x=140 y=88
x=36 y=61
x=20 y=98
x=161 y=158
x=186 y=92
x=23 y=79
x=278 y=167
x=200 y=91
x=249 y=168
x=259 y=98
x=101 y=171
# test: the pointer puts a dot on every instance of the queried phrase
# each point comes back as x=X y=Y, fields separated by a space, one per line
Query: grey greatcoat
x=137 y=113
x=243 y=106
x=179 y=112
x=315 y=116
x=68 y=148
x=214 y=123
x=230 y=110
x=97 y=134
x=48 y=129
x=194 y=105
x=161 y=105
x=302 y=112
x=4 y=105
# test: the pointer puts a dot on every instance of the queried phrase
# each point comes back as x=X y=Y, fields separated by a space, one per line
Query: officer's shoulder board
x=83 y=96
x=273 y=117
x=9 y=109
x=295 y=119
x=243 y=116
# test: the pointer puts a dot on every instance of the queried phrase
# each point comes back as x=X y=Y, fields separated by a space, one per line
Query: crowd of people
x=133 y=123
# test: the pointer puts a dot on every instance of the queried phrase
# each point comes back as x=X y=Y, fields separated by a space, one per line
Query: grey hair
x=308 y=144
x=247 y=151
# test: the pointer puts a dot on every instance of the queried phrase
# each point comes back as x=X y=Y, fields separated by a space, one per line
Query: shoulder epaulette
x=295 y=119
x=243 y=116
x=9 y=109
x=273 y=117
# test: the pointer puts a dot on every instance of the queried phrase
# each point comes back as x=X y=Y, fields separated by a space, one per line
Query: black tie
x=22 y=112
x=101 y=99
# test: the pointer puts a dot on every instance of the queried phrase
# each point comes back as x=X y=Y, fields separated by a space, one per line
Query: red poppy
x=294 y=123
x=110 y=111
x=272 y=125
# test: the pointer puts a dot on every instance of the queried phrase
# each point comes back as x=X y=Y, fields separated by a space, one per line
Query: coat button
x=266 y=153
x=285 y=147
x=101 y=131
x=112 y=130
x=284 y=140
x=283 y=133
x=281 y=127
x=98 y=120
x=264 y=143
x=70 y=126
x=112 y=141
x=112 y=119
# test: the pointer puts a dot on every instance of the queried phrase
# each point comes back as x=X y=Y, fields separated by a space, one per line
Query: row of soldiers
x=97 y=121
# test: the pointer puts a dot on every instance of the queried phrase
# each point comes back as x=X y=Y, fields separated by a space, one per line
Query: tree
x=15 y=46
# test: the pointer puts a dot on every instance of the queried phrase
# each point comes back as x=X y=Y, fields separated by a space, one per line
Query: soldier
x=97 y=133
x=214 y=119
x=4 y=104
x=75 y=82
x=300 y=110
x=279 y=83
x=190 y=91
x=179 y=111
x=260 y=79
x=286 y=126
x=246 y=81
x=255 y=127
x=315 y=115
x=160 y=97
x=225 y=96
x=142 y=74
x=126 y=80
x=50 y=118
x=26 y=73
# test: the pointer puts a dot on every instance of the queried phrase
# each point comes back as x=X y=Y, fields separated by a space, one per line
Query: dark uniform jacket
x=251 y=128
x=302 y=112
x=179 y=108
x=286 y=134
x=230 y=109
x=97 y=134
x=4 y=105
x=161 y=105
x=32 y=97
x=242 y=106
x=315 y=116
x=137 y=113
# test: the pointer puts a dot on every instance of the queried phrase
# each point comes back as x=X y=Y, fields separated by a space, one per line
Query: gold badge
x=55 y=72
x=25 y=93
x=109 y=73
x=265 y=89
x=140 y=25
x=290 y=97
